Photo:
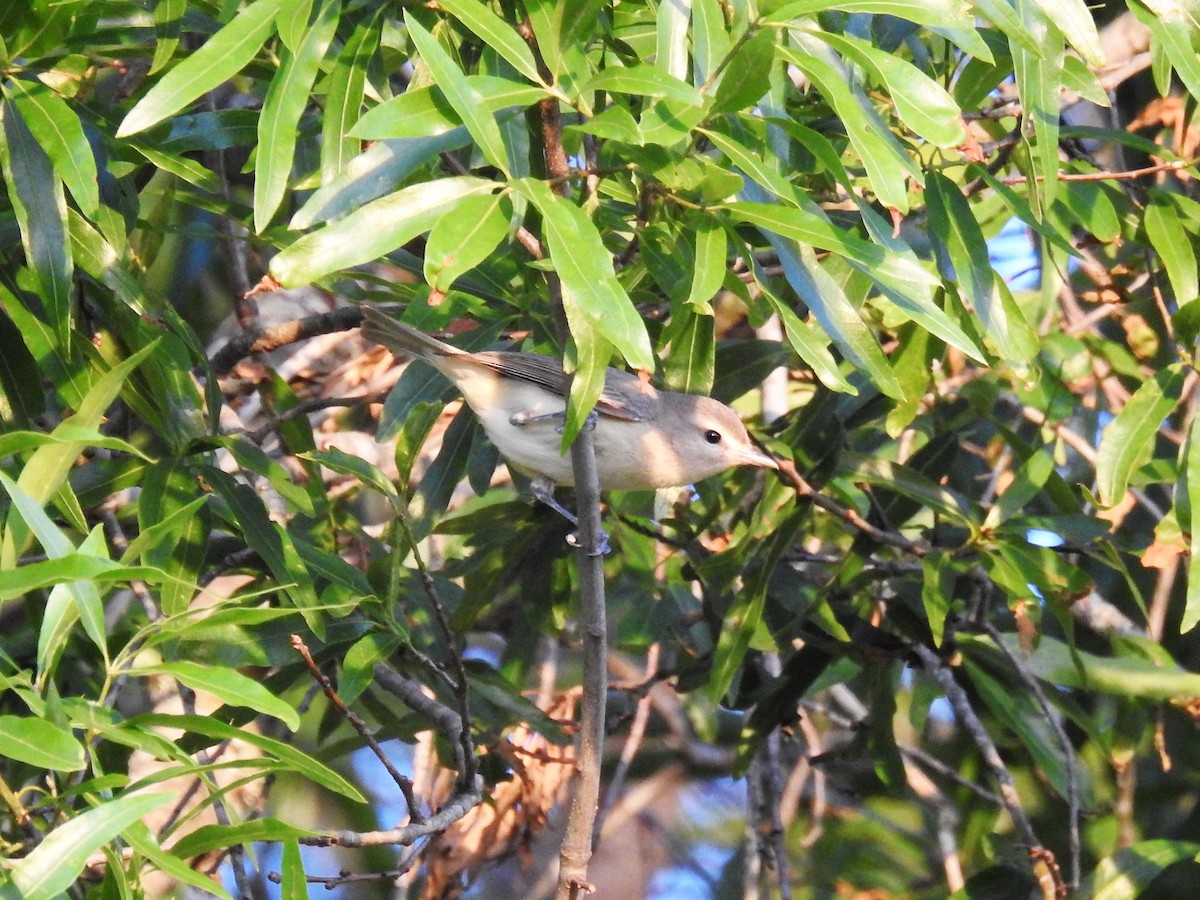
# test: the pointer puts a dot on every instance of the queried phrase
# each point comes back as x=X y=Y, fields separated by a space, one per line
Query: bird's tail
x=401 y=338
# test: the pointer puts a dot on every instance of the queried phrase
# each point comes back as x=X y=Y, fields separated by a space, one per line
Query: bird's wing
x=624 y=396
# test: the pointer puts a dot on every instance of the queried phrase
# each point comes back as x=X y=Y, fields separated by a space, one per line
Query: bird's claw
x=600 y=549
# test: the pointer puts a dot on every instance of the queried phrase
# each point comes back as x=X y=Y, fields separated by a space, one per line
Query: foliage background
x=961 y=632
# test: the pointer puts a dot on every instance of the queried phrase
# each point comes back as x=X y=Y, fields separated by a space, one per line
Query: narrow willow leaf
x=963 y=259
x=592 y=353
x=52 y=866
x=458 y=243
x=287 y=96
x=1171 y=241
x=710 y=41
x=40 y=206
x=1173 y=36
x=1075 y=21
x=462 y=97
x=810 y=228
x=585 y=267
x=921 y=103
x=344 y=97
x=643 y=81
x=708 y=274
x=227 y=685
x=887 y=163
x=747 y=77
x=46 y=470
x=443 y=475
x=1191 y=611
x=690 y=363
x=1039 y=82
x=1126 y=676
x=1125 y=874
x=220 y=58
x=373 y=230
x=37 y=742
x=17 y=582
x=372 y=174
x=496 y=33
x=139 y=838
x=835 y=313
x=56 y=127
x=671 y=50
x=168 y=24
x=1128 y=439
x=809 y=346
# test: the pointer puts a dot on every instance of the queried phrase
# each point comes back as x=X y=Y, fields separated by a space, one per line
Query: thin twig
x=461 y=686
x=265 y=339
x=851 y=517
x=967 y=718
x=637 y=731
x=412 y=694
x=357 y=723
x=1173 y=165
x=576 y=848
x=1060 y=735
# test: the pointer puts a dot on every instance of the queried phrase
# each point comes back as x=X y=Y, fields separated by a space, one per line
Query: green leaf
x=921 y=103
x=1125 y=874
x=340 y=461
x=458 y=243
x=228 y=685
x=372 y=174
x=40 y=206
x=56 y=127
x=168 y=24
x=292 y=882
x=496 y=33
x=72 y=567
x=301 y=762
x=443 y=475
x=344 y=97
x=460 y=94
x=1127 y=440
x=208 y=838
x=833 y=310
x=747 y=77
x=1191 y=612
x=373 y=230
x=887 y=163
x=962 y=256
x=708 y=273
x=1172 y=242
x=54 y=864
x=1039 y=82
x=1173 y=35
x=585 y=267
x=691 y=352
x=220 y=58
x=270 y=542
x=1075 y=21
x=809 y=228
x=39 y=743
x=808 y=345
x=286 y=99
x=906 y=481
x=643 y=81
x=1121 y=676
x=46 y=470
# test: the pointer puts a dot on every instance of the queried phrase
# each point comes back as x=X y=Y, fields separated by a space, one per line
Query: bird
x=644 y=438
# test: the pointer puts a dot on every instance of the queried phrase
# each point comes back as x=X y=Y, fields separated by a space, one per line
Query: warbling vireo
x=644 y=438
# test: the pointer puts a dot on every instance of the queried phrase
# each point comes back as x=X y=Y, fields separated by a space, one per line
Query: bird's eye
x=713 y=437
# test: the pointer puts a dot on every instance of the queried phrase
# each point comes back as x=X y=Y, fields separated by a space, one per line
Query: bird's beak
x=756 y=457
